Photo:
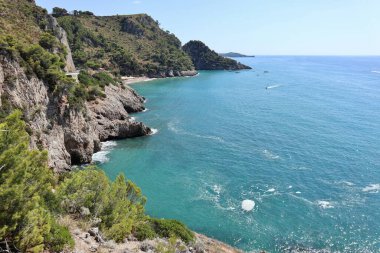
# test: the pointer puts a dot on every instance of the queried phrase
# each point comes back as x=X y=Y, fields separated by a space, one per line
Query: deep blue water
x=306 y=150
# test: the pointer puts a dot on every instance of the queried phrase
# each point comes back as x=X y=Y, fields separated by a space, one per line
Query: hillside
x=125 y=45
x=206 y=59
x=23 y=19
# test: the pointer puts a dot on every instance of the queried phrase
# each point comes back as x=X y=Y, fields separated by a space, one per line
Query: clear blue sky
x=261 y=27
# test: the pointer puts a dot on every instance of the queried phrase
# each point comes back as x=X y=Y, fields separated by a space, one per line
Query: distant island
x=233 y=55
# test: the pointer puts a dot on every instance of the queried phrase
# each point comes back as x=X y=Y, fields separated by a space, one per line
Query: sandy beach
x=132 y=79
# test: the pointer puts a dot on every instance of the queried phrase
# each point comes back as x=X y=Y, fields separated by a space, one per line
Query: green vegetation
x=26 y=219
x=206 y=59
x=124 y=45
x=33 y=198
x=22 y=19
x=152 y=228
x=39 y=60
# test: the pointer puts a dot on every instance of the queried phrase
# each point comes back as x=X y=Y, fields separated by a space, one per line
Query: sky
x=257 y=27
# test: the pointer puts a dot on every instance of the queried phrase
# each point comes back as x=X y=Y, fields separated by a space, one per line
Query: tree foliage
x=59 y=12
x=26 y=190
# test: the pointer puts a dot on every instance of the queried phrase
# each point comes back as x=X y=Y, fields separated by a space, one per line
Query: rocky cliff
x=206 y=59
x=61 y=35
x=37 y=85
x=70 y=136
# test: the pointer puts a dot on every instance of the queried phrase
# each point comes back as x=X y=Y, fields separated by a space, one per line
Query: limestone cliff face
x=71 y=137
x=61 y=35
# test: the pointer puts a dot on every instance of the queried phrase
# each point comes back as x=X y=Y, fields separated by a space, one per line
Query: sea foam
x=372 y=188
x=153 y=131
x=248 y=205
x=272 y=87
x=102 y=155
x=172 y=126
x=324 y=204
x=268 y=154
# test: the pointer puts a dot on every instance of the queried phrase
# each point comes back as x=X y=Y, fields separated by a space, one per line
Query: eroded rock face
x=71 y=137
x=61 y=35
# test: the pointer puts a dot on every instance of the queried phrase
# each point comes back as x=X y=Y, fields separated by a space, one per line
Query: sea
x=283 y=158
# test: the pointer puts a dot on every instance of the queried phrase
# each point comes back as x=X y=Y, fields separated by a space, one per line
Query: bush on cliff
x=26 y=184
x=120 y=205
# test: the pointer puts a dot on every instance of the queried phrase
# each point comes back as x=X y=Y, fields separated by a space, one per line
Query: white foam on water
x=212 y=193
x=132 y=119
x=290 y=187
x=272 y=86
x=296 y=196
x=268 y=154
x=107 y=145
x=172 y=126
x=102 y=155
x=348 y=183
x=217 y=189
x=372 y=188
x=271 y=190
x=153 y=131
x=248 y=205
x=375 y=71
x=324 y=204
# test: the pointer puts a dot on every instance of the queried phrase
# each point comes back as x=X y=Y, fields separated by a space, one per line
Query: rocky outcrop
x=70 y=136
x=206 y=59
x=61 y=35
x=93 y=241
x=172 y=73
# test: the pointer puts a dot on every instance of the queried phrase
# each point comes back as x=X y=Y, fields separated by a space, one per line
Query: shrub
x=59 y=238
x=144 y=231
x=48 y=41
x=172 y=228
x=26 y=217
x=84 y=188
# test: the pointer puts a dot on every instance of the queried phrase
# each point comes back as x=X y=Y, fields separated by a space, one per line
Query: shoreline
x=127 y=80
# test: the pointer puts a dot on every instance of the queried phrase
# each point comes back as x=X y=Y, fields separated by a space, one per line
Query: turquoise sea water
x=306 y=150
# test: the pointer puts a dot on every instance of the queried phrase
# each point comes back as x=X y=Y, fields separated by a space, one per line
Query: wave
x=172 y=126
x=153 y=131
x=372 y=188
x=214 y=193
x=375 y=71
x=268 y=154
x=324 y=204
x=272 y=87
x=132 y=119
x=102 y=155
